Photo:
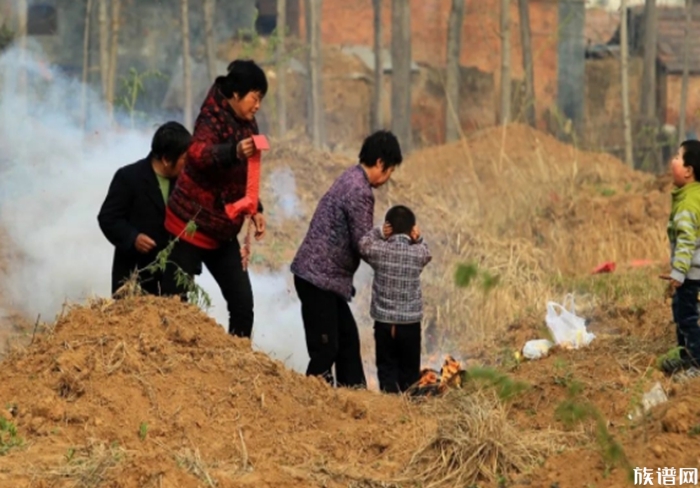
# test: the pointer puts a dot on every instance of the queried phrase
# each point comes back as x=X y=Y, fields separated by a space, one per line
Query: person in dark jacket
x=215 y=174
x=329 y=256
x=132 y=217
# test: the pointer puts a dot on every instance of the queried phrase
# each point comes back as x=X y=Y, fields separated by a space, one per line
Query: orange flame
x=432 y=381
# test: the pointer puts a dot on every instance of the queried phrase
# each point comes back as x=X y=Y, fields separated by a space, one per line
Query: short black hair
x=691 y=156
x=170 y=141
x=243 y=77
x=401 y=219
x=381 y=145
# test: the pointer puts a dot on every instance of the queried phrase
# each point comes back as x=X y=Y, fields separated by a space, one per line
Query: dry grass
x=477 y=442
x=531 y=208
x=88 y=467
x=533 y=212
x=517 y=204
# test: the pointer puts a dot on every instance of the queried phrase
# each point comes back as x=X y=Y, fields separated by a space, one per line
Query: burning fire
x=434 y=382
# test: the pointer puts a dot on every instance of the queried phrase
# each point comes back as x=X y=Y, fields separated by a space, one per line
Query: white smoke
x=284 y=185
x=53 y=179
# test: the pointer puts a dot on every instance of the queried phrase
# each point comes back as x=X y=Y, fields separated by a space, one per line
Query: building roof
x=600 y=26
x=670 y=38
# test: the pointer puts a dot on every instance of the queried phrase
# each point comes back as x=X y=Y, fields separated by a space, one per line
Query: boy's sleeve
x=371 y=245
x=422 y=252
x=686 y=224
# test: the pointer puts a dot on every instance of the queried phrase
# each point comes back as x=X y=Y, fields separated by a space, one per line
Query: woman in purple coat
x=329 y=256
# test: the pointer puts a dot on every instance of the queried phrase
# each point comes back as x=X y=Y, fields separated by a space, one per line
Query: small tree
x=401 y=72
x=209 y=9
x=315 y=64
x=452 y=75
x=505 y=62
x=378 y=94
x=624 y=58
x=114 y=44
x=186 y=68
x=686 y=66
x=281 y=67
x=526 y=41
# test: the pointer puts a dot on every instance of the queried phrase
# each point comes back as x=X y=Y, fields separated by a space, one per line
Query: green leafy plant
x=195 y=293
x=577 y=409
x=143 y=431
x=506 y=387
x=466 y=274
x=8 y=436
x=133 y=85
x=672 y=354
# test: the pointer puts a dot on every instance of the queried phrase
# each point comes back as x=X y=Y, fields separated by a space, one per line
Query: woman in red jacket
x=215 y=175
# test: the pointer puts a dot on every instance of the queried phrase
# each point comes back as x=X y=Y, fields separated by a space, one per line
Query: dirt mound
x=148 y=392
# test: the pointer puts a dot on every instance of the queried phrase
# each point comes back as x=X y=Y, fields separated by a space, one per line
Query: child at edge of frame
x=684 y=280
x=397 y=254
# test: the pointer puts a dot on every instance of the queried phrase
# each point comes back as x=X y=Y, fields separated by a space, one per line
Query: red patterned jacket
x=213 y=175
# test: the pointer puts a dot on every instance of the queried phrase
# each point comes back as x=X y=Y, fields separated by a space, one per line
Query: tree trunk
x=453 y=126
x=648 y=108
x=186 y=68
x=505 y=62
x=102 y=20
x=86 y=63
x=686 y=69
x=401 y=72
x=624 y=55
x=22 y=12
x=377 y=121
x=209 y=7
x=315 y=64
x=281 y=67
x=114 y=44
x=526 y=41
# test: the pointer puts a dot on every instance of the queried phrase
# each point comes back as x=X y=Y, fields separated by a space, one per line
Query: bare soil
x=149 y=392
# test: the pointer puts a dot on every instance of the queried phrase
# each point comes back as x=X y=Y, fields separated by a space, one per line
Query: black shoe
x=686 y=374
x=673 y=365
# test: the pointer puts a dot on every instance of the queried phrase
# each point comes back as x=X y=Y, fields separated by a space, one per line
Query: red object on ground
x=607 y=267
x=248 y=205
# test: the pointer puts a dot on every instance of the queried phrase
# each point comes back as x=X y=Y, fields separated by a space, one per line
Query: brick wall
x=673 y=97
x=348 y=22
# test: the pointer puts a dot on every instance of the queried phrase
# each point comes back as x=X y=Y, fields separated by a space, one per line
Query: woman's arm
x=207 y=150
x=360 y=215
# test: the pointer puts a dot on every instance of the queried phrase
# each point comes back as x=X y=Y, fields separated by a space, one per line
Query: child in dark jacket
x=398 y=255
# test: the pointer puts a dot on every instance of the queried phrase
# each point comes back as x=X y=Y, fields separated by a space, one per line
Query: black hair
x=381 y=145
x=170 y=141
x=401 y=219
x=691 y=156
x=243 y=77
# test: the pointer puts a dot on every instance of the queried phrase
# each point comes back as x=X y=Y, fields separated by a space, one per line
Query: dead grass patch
x=477 y=442
x=88 y=466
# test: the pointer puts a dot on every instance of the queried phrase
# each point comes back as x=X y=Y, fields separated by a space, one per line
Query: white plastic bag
x=568 y=329
x=536 y=349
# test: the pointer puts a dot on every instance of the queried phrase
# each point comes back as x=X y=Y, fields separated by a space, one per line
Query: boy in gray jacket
x=398 y=255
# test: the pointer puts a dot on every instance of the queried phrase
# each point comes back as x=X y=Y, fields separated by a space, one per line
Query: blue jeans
x=686 y=316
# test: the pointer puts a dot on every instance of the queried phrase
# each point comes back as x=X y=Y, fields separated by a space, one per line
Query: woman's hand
x=259 y=221
x=245 y=148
